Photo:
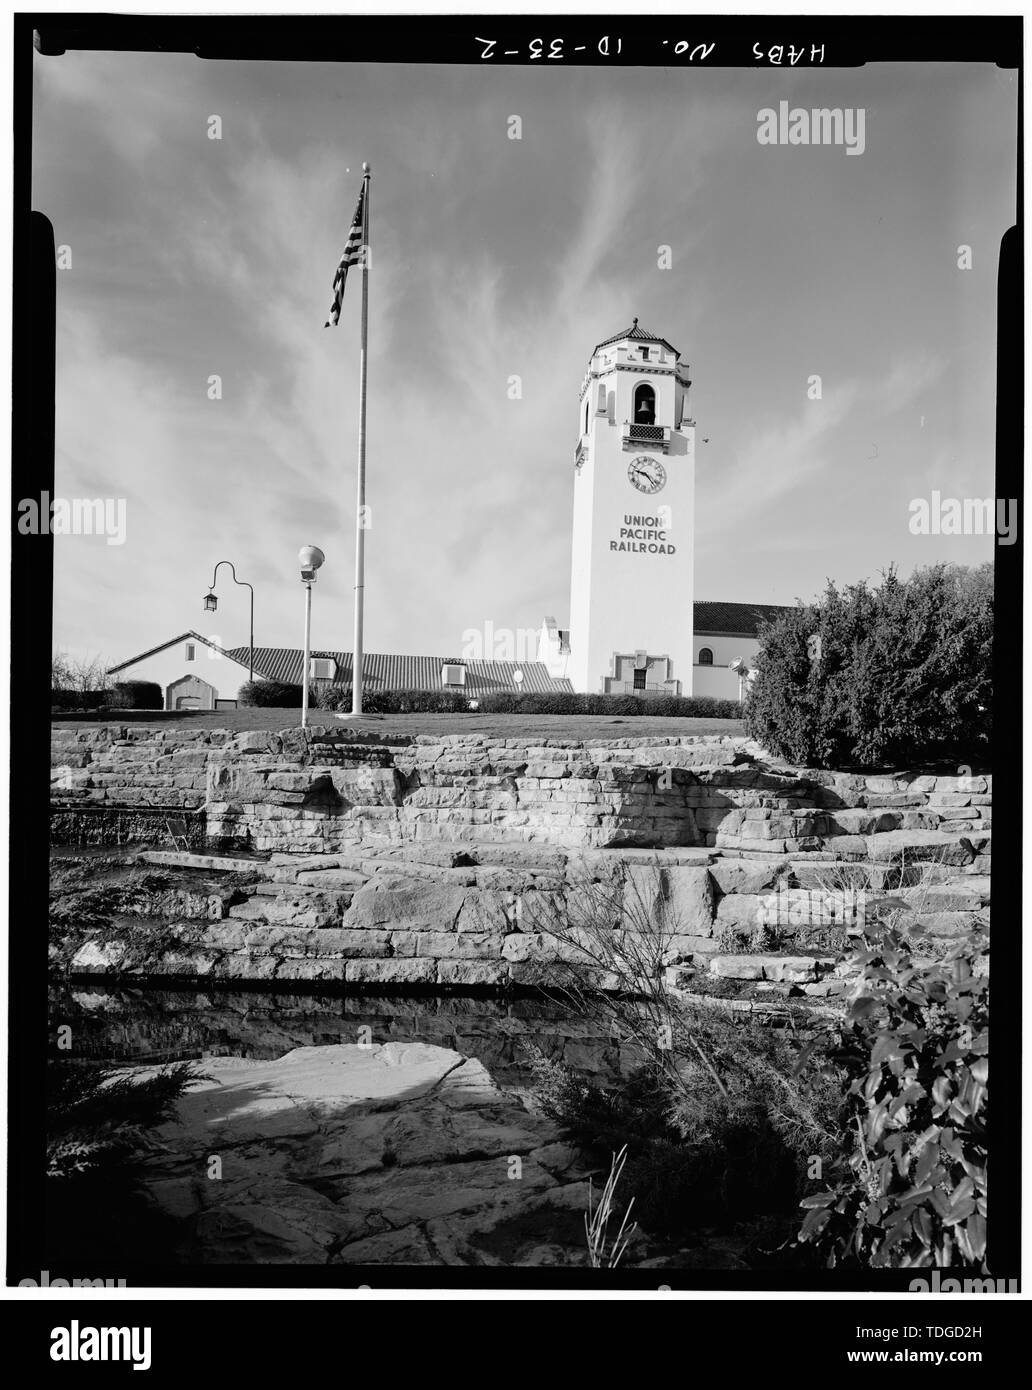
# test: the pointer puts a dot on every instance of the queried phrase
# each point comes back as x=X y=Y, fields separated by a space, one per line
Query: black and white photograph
x=523 y=514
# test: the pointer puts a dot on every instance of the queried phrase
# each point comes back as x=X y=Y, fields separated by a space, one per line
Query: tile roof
x=739 y=619
x=637 y=335
x=392 y=672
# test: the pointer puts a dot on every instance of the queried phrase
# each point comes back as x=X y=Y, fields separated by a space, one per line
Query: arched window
x=587 y=403
x=644 y=404
x=706 y=657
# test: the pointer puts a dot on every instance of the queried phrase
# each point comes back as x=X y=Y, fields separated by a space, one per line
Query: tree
x=880 y=676
x=83 y=675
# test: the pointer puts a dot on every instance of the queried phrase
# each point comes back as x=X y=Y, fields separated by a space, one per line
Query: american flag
x=352 y=256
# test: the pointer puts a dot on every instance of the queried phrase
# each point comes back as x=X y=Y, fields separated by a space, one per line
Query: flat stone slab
x=181 y=859
x=357 y=1155
x=787 y=969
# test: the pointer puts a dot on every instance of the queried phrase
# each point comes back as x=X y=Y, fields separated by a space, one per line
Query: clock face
x=647 y=475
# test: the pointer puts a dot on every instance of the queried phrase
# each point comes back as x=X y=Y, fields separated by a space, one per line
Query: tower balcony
x=646 y=436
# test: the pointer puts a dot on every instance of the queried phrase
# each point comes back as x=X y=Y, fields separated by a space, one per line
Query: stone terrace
x=435 y=862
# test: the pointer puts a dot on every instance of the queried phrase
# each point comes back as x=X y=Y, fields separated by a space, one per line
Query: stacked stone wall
x=444 y=862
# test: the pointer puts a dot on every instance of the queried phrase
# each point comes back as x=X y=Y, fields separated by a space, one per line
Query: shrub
x=457 y=701
x=558 y=702
x=99 y=1129
x=268 y=694
x=717 y=1122
x=500 y=702
x=61 y=700
x=623 y=704
x=97 y=1117
x=136 y=695
x=698 y=1151
x=912 y=1190
x=904 y=673
x=338 y=697
x=334 y=697
x=419 y=701
x=692 y=707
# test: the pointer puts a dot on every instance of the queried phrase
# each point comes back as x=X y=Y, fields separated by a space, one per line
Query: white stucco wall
x=170 y=664
x=717 y=680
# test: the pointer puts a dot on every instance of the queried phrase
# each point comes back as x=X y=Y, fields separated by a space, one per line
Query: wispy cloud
x=493 y=260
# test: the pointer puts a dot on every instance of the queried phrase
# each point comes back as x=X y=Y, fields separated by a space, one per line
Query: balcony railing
x=618 y=687
x=650 y=436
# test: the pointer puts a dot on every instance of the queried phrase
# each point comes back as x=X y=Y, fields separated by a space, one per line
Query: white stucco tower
x=631 y=591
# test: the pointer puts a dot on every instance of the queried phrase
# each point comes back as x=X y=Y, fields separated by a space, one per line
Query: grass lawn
x=576 y=726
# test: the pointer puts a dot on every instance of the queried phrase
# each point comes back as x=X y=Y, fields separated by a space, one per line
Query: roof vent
x=453 y=674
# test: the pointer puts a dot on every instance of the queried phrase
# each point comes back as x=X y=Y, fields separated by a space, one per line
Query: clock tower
x=631 y=590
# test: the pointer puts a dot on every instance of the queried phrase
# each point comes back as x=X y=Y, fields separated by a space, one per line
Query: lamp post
x=741 y=668
x=310 y=558
x=211 y=602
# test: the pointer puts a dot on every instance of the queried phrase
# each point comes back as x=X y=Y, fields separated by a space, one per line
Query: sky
x=493 y=258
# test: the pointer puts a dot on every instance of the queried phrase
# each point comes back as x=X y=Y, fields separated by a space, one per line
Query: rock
x=472 y=972
x=98 y=957
x=409 y=1246
x=745 y=875
x=460 y=945
x=365 y=786
x=542 y=1229
x=469 y=1084
x=422 y=907
x=292 y=909
x=395 y=971
x=936 y=845
x=745 y=910
x=362 y=1155
x=736 y=967
x=332 y=878
x=789 y=969
x=267 y=1222
x=946 y=925
x=693 y=947
x=862 y=821
x=687 y=902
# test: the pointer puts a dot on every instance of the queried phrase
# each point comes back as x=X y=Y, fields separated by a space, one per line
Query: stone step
x=967 y=895
x=410 y=869
x=182 y=859
x=285 y=868
x=815 y=871
x=939 y=846
x=287 y=891
x=790 y=969
x=978 y=883
x=949 y=926
x=328 y=880
x=302 y=910
x=440 y=856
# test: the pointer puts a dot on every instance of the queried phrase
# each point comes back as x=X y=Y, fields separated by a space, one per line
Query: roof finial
x=635 y=324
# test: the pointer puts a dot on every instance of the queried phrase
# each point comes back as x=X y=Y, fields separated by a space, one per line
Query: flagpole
x=360 y=529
